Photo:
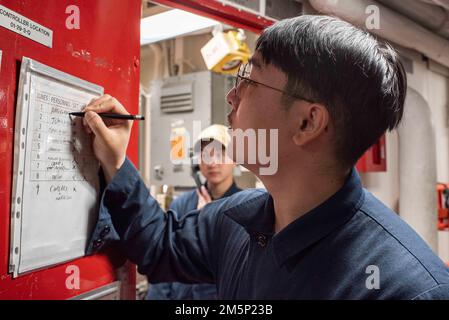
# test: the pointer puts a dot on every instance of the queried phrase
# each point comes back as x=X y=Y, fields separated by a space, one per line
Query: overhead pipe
x=432 y=17
x=417 y=170
x=442 y=3
x=394 y=27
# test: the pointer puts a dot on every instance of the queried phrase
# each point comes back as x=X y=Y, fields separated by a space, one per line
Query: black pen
x=112 y=116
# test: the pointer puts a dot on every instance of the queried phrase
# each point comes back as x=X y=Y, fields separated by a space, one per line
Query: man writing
x=331 y=90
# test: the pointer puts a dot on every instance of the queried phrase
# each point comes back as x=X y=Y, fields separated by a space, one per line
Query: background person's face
x=215 y=165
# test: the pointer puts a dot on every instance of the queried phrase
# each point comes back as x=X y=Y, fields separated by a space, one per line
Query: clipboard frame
x=29 y=67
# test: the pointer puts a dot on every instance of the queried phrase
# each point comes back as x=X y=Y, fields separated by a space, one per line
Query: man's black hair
x=359 y=79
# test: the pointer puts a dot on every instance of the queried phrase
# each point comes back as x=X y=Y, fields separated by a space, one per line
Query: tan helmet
x=216 y=132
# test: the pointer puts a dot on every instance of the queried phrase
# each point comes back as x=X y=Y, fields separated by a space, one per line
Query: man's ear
x=311 y=121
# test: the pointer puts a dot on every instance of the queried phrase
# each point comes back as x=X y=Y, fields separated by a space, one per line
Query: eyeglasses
x=243 y=75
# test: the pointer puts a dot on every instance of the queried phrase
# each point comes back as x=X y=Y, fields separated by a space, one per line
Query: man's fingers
x=86 y=126
x=102 y=107
x=106 y=103
x=96 y=124
x=92 y=101
x=99 y=100
x=205 y=194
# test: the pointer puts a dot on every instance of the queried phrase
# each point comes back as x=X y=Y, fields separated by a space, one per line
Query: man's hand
x=203 y=197
x=111 y=136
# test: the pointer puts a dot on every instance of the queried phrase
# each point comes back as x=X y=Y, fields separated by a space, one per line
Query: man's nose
x=212 y=163
x=232 y=98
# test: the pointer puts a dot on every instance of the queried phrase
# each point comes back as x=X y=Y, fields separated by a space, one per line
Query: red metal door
x=105 y=50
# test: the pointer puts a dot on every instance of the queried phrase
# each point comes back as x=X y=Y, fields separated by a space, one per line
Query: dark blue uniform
x=185 y=203
x=329 y=253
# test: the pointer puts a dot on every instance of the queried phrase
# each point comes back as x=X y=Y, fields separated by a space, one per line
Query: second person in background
x=218 y=169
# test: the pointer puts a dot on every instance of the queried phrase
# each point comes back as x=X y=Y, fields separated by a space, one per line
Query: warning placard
x=13 y=21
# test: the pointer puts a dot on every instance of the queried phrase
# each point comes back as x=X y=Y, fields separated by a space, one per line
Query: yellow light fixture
x=226 y=51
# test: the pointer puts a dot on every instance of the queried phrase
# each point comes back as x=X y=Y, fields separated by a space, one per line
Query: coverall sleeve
x=164 y=247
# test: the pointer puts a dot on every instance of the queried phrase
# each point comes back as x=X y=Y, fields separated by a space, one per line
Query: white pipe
x=442 y=3
x=393 y=26
x=146 y=138
x=417 y=169
x=158 y=56
x=430 y=16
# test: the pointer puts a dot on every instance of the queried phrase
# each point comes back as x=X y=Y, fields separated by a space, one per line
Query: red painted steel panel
x=106 y=51
x=221 y=12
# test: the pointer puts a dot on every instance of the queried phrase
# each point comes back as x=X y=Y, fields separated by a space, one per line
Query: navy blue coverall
x=185 y=203
x=349 y=247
